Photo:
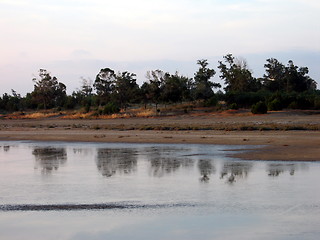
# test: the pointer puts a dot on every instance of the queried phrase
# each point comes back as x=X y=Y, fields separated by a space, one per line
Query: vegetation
x=281 y=87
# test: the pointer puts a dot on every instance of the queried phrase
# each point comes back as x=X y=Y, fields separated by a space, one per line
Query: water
x=153 y=191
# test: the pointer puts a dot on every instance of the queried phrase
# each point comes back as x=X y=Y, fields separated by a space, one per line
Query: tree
x=86 y=87
x=297 y=79
x=104 y=84
x=125 y=88
x=275 y=74
x=153 y=88
x=83 y=96
x=48 y=92
x=287 y=78
x=176 y=88
x=237 y=76
x=202 y=84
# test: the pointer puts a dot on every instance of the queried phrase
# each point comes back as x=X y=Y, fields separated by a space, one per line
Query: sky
x=74 y=39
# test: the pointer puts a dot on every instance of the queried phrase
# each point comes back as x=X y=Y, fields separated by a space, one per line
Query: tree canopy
x=281 y=86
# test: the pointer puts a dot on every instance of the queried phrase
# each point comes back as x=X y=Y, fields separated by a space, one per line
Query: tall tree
x=48 y=92
x=104 y=84
x=176 y=88
x=126 y=89
x=154 y=86
x=275 y=74
x=202 y=84
x=237 y=76
x=288 y=78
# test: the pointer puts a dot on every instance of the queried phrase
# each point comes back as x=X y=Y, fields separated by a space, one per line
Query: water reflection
x=165 y=160
x=233 y=170
x=111 y=161
x=275 y=169
x=49 y=158
x=206 y=168
x=6 y=148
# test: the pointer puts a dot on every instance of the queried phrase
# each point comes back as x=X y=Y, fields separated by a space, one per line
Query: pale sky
x=76 y=38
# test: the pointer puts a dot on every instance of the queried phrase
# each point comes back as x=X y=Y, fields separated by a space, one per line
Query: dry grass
x=145 y=113
x=78 y=115
x=39 y=115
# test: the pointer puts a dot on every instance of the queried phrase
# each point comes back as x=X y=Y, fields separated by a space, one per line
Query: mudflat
x=283 y=136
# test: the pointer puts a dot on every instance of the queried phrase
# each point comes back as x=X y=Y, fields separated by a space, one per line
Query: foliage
x=202 y=84
x=288 y=78
x=237 y=76
x=110 y=108
x=48 y=92
x=275 y=105
x=234 y=106
x=104 y=84
x=246 y=99
x=282 y=86
x=125 y=89
x=211 y=102
x=259 y=108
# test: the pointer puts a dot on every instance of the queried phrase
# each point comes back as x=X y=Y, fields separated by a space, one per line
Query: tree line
x=282 y=86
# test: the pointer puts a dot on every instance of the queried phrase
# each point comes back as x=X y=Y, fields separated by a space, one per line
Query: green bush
x=234 y=106
x=317 y=102
x=275 y=105
x=110 y=108
x=211 y=102
x=259 y=108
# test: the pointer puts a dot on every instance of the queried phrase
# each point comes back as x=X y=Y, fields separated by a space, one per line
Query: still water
x=153 y=191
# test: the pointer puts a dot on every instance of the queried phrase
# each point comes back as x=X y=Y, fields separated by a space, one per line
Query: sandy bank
x=278 y=145
x=211 y=128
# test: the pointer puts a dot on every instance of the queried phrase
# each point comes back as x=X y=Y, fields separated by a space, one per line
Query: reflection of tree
x=117 y=160
x=276 y=169
x=6 y=148
x=206 y=168
x=164 y=160
x=48 y=158
x=235 y=170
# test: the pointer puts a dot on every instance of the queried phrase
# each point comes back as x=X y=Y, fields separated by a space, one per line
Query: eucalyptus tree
x=237 y=76
x=202 y=85
x=290 y=78
x=48 y=92
x=154 y=86
x=126 y=89
x=104 y=84
x=176 y=88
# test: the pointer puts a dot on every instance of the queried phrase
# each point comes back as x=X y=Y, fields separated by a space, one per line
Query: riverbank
x=284 y=141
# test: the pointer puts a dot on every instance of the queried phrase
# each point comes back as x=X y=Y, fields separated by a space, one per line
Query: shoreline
x=284 y=135
x=276 y=145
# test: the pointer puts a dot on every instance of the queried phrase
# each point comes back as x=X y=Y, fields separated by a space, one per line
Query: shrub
x=211 y=102
x=275 y=105
x=234 y=106
x=259 y=108
x=317 y=102
x=110 y=108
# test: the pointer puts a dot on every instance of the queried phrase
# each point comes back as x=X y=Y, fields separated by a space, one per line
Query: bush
x=110 y=108
x=211 y=102
x=317 y=103
x=275 y=105
x=259 y=108
x=234 y=106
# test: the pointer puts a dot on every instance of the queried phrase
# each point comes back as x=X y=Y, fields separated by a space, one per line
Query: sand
x=293 y=145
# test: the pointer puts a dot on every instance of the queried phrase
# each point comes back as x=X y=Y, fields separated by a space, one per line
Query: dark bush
x=234 y=106
x=211 y=102
x=110 y=108
x=275 y=105
x=259 y=108
x=317 y=102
